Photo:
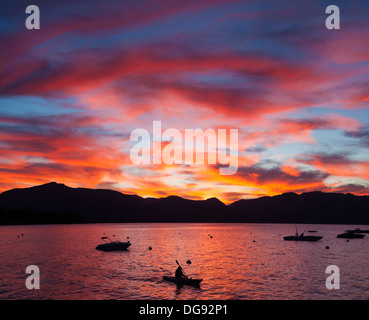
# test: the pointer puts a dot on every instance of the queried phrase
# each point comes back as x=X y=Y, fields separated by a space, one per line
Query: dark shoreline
x=175 y=222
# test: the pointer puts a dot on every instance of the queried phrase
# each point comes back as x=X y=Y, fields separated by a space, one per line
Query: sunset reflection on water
x=235 y=261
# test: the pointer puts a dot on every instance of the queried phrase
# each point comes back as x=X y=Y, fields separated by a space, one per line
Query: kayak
x=190 y=281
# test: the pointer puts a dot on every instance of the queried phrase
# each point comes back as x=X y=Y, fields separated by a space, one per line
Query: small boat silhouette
x=351 y=235
x=302 y=237
x=115 y=245
x=358 y=230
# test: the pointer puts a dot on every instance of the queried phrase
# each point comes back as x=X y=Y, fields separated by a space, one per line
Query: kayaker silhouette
x=181 y=278
x=179 y=272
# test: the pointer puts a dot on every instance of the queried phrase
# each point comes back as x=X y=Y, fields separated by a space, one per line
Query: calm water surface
x=241 y=261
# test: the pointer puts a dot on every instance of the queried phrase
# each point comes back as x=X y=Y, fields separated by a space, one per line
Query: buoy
x=188 y=262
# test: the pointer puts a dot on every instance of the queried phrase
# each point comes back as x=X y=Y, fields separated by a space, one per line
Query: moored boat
x=351 y=235
x=113 y=245
x=357 y=230
x=302 y=237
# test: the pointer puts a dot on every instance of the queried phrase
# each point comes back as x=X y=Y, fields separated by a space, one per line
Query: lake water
x=241 y=261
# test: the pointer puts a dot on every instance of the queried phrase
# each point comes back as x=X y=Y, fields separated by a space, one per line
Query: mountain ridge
x=57 y=203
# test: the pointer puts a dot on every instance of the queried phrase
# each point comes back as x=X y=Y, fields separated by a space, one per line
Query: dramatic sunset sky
x=72 y=92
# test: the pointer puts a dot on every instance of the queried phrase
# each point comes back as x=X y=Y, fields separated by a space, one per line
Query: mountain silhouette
x=88 y=205
x=310 y=207
x=57 y=203
x=174 y=208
